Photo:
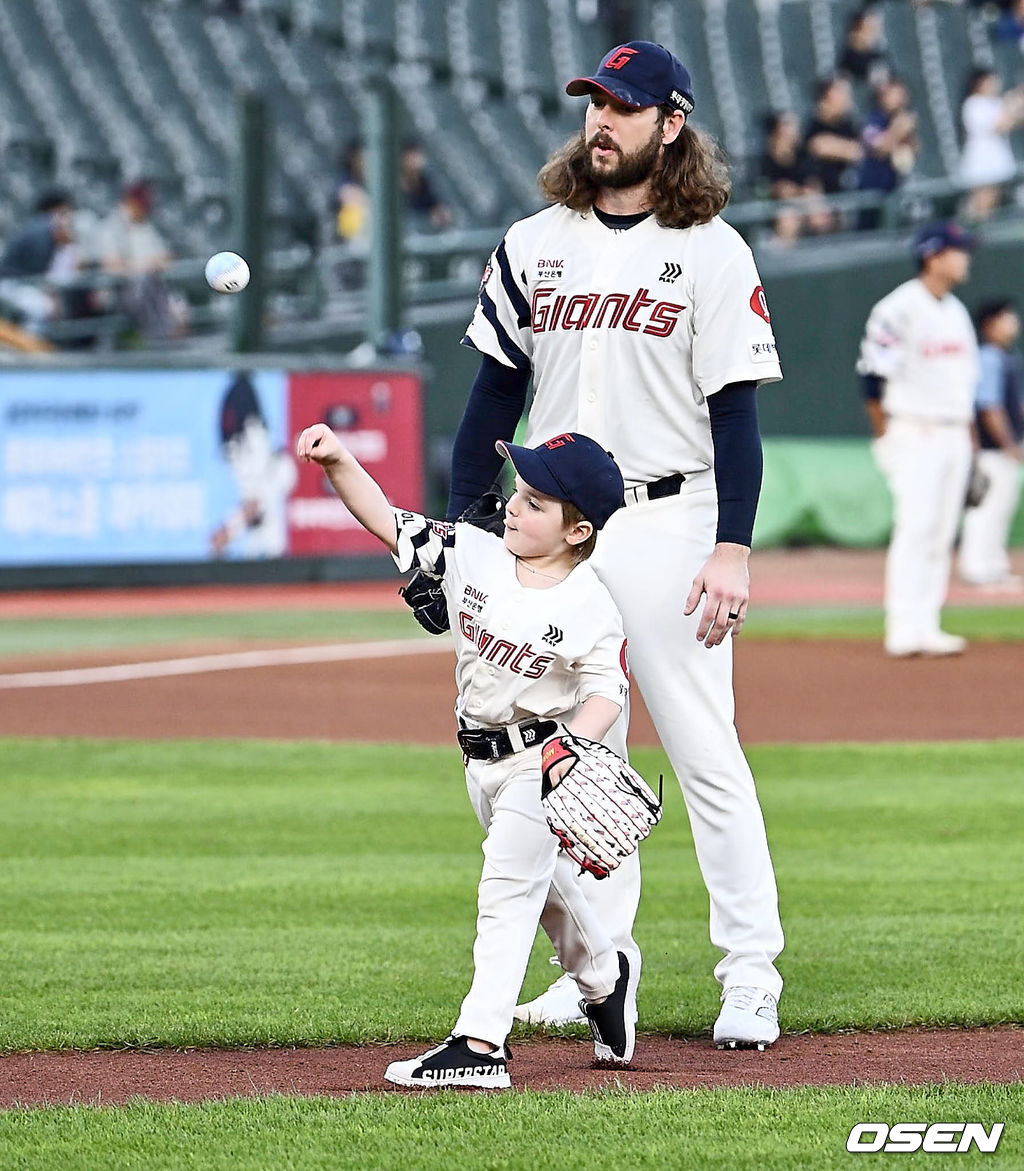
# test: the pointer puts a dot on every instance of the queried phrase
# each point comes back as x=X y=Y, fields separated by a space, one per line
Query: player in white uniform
x=919 y=360
x=999 y=419
x=641 y=317
x=538 y=642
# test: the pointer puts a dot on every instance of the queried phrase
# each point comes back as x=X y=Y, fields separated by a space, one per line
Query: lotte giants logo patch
x=759 y=303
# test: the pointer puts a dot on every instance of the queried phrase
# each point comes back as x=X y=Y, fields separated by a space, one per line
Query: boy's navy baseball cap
x=571 y=467
x=640 y=74
x=935 y=238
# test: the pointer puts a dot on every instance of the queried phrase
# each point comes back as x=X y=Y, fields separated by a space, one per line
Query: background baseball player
x=999 y=418
x=538 y=640
x=919 y=360
x=641 y=316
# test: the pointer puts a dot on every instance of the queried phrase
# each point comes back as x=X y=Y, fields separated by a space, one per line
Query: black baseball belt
x=497 y=743
x=655 y=489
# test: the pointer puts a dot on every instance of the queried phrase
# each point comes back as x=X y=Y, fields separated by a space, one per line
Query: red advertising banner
x=378 y=416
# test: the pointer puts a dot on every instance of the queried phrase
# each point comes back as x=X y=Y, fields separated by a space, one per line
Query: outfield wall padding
x=828 y=491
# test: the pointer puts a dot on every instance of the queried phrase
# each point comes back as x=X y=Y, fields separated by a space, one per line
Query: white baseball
x=227 y=272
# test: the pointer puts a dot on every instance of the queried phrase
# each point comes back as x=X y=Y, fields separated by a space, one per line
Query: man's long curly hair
x=689 y=186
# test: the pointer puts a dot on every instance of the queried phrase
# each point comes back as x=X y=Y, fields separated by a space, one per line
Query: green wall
x=819 y=318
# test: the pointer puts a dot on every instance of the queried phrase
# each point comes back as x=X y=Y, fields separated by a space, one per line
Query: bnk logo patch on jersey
x=550 y=270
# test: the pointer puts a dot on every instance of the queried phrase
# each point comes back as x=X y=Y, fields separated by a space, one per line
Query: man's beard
x=629 y=170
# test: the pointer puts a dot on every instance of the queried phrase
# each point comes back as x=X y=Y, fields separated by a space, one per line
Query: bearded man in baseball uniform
x=640 y=315
x=919 y=362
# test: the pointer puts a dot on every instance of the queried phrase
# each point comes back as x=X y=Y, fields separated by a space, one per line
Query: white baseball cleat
x=935 y=644
x=1009 y=583
x=902 y=648
x=559 y=1005
x=749 y=1019
x=941 y=643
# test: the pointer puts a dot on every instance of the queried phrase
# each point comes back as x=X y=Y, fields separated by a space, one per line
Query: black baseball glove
x=978 y=484
x=423 y=593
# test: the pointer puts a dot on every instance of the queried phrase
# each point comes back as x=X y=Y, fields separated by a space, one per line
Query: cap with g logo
x=935 y=238
x=639 y=74
x=571 y=467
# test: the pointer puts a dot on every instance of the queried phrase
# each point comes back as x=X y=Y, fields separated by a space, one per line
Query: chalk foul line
x=238 y=661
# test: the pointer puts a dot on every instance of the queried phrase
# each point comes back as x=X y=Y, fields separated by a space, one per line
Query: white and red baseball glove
x=601 y=809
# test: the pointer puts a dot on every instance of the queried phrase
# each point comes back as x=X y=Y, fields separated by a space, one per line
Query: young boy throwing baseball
x=539 y=643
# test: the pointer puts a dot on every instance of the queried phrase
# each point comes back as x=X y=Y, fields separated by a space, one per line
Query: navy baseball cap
x=639 y=74
x=571 y=467
x=935 y=238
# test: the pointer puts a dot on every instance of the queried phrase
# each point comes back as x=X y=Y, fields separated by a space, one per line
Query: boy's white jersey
x=520 y=653
x=627 y=332
x=925 y=349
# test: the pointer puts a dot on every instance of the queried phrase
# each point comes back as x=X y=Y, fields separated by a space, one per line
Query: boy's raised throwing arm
x=359 y=491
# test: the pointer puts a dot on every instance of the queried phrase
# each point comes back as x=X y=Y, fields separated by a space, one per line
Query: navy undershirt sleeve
x=872 y=386
x=497 y=399
x=739 y=460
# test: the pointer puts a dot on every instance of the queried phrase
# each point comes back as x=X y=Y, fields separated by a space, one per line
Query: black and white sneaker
x=613 y=1020
x=453 y=1064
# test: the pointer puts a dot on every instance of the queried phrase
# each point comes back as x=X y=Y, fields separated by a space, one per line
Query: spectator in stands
x=999 y=418
x=1009 y=24
x=785 y=176
x=832 y=138
x=127 y=244
x=988 y=115
x=351 y=199
x=863 y=59
x=28 y=260
x=421 y=199
x=890 y=144
x=352 y=213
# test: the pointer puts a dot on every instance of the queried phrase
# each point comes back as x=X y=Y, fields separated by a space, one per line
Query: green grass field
x=63 y=635
x=60 y=635
x=749 y=1129
x=228 y=893
x=231 y=893
x=238 y=893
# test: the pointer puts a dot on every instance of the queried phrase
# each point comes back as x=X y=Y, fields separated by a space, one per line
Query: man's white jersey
x=519 y=652
x=926 y=351
x=627 y=332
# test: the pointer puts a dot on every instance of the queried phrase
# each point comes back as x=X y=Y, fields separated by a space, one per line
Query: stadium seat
x=419 y=33
x=681 y=28
x=526 y=50
x=48 y=87
x=743 y=31
x=802 y=54
x=433 y=113
x=95 y=92
x=902 y=38
x=473 y=33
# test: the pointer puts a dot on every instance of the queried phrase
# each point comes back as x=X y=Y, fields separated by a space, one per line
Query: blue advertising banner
x=135 y=466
